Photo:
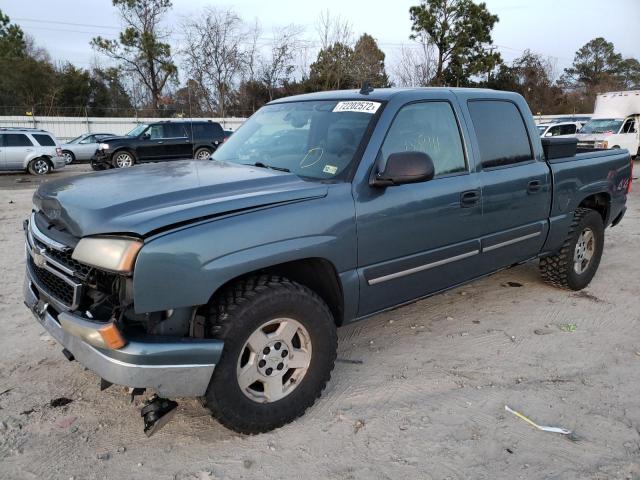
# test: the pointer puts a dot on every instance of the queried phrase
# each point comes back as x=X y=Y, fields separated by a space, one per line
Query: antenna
x=366 y=88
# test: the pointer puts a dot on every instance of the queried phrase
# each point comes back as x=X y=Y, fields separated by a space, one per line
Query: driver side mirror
x=145 y=136
x=404 y=167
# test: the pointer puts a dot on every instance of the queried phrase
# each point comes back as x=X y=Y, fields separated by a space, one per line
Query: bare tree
x=213 y=54
x=333 y=29
x=252 y=56
x=416 y=66
x=279 y=64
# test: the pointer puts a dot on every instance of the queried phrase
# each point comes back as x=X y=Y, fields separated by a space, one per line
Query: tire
x=39 y=166
x=69 y=157
x=202 y=154
x=561 y=270
x=237 y=316
x=123 y=159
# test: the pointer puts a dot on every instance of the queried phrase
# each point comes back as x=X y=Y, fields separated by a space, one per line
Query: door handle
x=469 y=198
x=534 y=186
x=160 y=142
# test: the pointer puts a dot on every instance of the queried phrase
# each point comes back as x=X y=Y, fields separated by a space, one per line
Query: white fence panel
x=66 y=128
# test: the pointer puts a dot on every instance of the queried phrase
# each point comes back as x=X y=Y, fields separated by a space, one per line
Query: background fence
x=66 y=128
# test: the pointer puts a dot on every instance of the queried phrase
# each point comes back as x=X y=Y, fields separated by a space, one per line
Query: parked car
x=227 y=278
x=82 y=148
x=160 y=141
x=615 y=123
x=559 y=129
x=30 y=149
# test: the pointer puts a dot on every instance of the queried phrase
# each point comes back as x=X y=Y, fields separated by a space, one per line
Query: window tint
x=16 y=140
x=501 y=133
x=44 y=140
x=207 y=130
x=568 y=129
x=428 y=127
x=156 y=131
x=174 y=130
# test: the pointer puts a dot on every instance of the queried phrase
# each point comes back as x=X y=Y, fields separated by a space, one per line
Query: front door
x=151 y=144
x=419 y=238
x=629 y=137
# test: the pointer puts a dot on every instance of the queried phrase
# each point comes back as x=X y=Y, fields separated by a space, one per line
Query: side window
x=174 y=130
x=16 y=140
x=156 y=131
x=629 y=126
x=44 y=140
x=501 y=133
x=428 y=127
x=569 y=129
x=554 y=131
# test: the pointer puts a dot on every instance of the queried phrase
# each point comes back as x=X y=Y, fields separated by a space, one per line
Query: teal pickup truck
x=227 y=278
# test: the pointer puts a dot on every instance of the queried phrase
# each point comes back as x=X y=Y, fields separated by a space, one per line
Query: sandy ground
x=418 y=393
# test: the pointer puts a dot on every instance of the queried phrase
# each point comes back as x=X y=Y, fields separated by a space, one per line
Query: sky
x=553 y=28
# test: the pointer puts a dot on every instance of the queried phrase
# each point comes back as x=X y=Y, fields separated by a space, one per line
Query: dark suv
x=152 y=142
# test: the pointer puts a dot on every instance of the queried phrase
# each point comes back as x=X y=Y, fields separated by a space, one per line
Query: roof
x=377 y=94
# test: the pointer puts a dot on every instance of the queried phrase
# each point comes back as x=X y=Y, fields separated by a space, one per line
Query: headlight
x=604 y=144
x=113 y=254
x=103 y=146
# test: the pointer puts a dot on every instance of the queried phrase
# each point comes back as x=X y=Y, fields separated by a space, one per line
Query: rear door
x=3 y=165
x=419 y=238
x=177 y=141
x=515 y=179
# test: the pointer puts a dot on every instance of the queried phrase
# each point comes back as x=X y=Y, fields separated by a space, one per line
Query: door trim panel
x=426 y=266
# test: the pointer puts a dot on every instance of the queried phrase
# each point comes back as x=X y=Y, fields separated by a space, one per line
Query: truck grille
x=587 y=144
x=52 y=285
x=52 y=270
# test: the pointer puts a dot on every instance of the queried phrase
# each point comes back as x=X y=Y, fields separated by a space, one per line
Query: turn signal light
x=112 y=337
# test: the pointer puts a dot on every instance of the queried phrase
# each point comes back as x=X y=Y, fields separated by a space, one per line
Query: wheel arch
x=127 y=149
x=600 y=202
x=315 y=273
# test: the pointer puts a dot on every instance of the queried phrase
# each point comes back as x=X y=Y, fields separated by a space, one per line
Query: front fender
x=184 y=268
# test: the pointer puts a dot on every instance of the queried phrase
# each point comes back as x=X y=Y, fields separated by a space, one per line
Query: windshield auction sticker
x=357 y=106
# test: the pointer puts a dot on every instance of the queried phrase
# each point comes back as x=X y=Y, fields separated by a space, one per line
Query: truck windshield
x=316 y=140
x=602 y=125
x=138 y=130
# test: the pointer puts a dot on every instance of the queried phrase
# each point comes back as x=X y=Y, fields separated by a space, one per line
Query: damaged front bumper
x=173 y=367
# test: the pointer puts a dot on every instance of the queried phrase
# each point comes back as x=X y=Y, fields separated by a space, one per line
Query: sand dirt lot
x=417 y=393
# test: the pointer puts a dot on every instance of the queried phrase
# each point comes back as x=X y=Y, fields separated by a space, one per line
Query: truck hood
x=153 y=197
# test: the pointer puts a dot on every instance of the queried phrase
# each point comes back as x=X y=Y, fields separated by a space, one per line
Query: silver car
x=83 y=147
x=30 y=149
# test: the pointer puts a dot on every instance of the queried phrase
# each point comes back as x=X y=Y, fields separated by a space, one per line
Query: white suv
x=31 y=149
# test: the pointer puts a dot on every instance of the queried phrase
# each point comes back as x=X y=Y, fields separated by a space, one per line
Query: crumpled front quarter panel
x=185 y=267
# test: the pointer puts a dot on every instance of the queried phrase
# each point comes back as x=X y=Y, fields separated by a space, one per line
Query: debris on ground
x=349 y=360
x=568 y=327
x=512 y=284
x=562 y=431
x=359 y=425
x=60 y=402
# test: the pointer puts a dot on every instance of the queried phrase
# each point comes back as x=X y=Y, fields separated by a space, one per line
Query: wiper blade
x=271 y=167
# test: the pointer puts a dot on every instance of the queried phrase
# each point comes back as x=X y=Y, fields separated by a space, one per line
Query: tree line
x=226 y=66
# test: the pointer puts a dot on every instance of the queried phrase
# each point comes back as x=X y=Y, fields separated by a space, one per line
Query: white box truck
x=615 y=123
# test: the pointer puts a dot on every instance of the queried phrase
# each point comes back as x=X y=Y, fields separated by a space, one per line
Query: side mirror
x=548 y=134
x=404 y=167
x=145 y=136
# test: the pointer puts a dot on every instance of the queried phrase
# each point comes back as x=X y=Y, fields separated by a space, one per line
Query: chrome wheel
x=274 y=360
x=124 y=160
x=203 y=154
x=40 y=166
x=584 y=251
x=68 y=157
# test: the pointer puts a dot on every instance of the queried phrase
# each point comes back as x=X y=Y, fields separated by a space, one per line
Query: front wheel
x=68 y=156
x=578 y=260
x=123 y=159
x=279 y=350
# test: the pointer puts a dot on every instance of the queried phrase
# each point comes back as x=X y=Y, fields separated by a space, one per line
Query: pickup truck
x=226 y=279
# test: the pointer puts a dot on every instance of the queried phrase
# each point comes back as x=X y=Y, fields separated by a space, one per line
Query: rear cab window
x=44 y=140
x=501 y=133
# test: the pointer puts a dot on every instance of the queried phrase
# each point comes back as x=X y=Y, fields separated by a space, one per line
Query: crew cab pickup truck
x=226 y=279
